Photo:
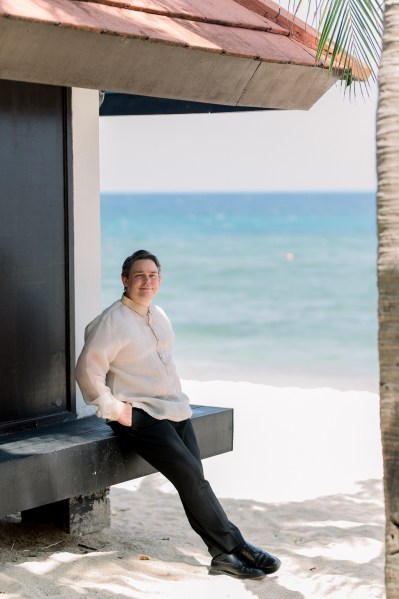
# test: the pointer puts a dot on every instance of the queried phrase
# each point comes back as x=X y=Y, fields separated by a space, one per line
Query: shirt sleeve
x=100 y=349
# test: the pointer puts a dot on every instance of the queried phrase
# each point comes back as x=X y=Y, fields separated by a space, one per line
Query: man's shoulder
x=158 y=310
x=161 y=315
x=106 y=316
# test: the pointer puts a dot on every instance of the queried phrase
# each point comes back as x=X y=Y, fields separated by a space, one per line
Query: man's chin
x=146 y=295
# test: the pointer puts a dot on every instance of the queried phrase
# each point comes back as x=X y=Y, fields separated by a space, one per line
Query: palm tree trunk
x=388 y=283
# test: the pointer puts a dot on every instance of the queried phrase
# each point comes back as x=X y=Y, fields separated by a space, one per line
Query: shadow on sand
x=317 y=540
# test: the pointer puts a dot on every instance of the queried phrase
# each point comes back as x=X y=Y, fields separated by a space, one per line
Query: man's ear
x=124 y=280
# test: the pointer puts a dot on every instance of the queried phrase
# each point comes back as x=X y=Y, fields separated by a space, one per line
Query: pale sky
x=329 y=147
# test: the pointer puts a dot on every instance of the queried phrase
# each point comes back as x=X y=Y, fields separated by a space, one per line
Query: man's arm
x=100 y=349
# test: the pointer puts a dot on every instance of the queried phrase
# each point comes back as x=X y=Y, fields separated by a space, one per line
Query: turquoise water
x=272 y=288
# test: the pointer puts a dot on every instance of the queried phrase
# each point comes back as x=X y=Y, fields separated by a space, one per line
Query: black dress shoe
x=257 y=558
x=228 y=563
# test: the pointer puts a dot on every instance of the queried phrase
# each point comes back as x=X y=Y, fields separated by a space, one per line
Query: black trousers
x=172 y=448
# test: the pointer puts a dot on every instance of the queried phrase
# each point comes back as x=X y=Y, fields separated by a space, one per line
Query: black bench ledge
x=84 y=456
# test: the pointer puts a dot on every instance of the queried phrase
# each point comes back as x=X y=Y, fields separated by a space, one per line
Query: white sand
x=304 y=481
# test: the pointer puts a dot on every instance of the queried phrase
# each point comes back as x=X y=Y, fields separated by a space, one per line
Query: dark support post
x=77 y=515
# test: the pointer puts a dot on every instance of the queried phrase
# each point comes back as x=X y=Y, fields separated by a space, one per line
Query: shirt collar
x=143 y=310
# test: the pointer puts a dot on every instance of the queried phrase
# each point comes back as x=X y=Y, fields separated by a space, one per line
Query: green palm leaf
x=350 y=36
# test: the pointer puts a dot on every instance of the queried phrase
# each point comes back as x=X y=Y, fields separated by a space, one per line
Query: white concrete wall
x=86 y=211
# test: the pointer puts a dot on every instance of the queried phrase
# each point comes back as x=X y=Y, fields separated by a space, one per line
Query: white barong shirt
x=127 y=358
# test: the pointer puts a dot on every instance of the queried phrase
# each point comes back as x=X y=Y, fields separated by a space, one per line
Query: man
x=126 y=370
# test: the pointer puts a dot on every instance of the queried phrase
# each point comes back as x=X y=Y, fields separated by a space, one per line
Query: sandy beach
x=303 y=481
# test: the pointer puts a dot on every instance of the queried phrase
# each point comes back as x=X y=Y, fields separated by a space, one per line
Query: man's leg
x=172 y=449
x=257 y=559
x=186 y=433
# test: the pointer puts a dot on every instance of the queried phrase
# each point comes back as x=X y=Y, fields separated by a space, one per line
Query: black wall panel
x=35 y=321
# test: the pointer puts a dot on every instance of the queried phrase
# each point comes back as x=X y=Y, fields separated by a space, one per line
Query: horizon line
x=240 y=191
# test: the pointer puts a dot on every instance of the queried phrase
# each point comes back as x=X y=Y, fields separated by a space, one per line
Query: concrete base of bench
x=62 y=473
x=76 y=515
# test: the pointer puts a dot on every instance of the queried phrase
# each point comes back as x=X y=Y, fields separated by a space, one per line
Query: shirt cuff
x=109 y=407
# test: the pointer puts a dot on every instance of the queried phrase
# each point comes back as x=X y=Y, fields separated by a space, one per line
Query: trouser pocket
x=142 y=420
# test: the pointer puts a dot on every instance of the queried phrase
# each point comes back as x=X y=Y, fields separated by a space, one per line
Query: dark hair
x=139 y=255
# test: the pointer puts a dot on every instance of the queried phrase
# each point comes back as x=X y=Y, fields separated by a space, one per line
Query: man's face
x=143 y=281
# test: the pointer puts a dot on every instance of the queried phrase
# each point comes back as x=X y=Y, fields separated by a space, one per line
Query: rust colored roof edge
x=229 y=41
x=301 y=32
x=269 y=26
x=251 y=30
x=297 y=29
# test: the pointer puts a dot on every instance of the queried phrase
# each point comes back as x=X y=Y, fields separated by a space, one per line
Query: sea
x=271 y=288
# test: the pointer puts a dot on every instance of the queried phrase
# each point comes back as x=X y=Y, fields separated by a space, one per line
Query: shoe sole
x=215 y=572
x=270 y=570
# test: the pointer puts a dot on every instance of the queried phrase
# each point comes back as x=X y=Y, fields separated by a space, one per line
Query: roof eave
x=58 y=55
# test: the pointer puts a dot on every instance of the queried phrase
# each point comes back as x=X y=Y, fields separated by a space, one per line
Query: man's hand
x=126 y=417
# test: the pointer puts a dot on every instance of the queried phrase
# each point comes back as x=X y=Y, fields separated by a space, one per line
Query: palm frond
x=350 y=36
